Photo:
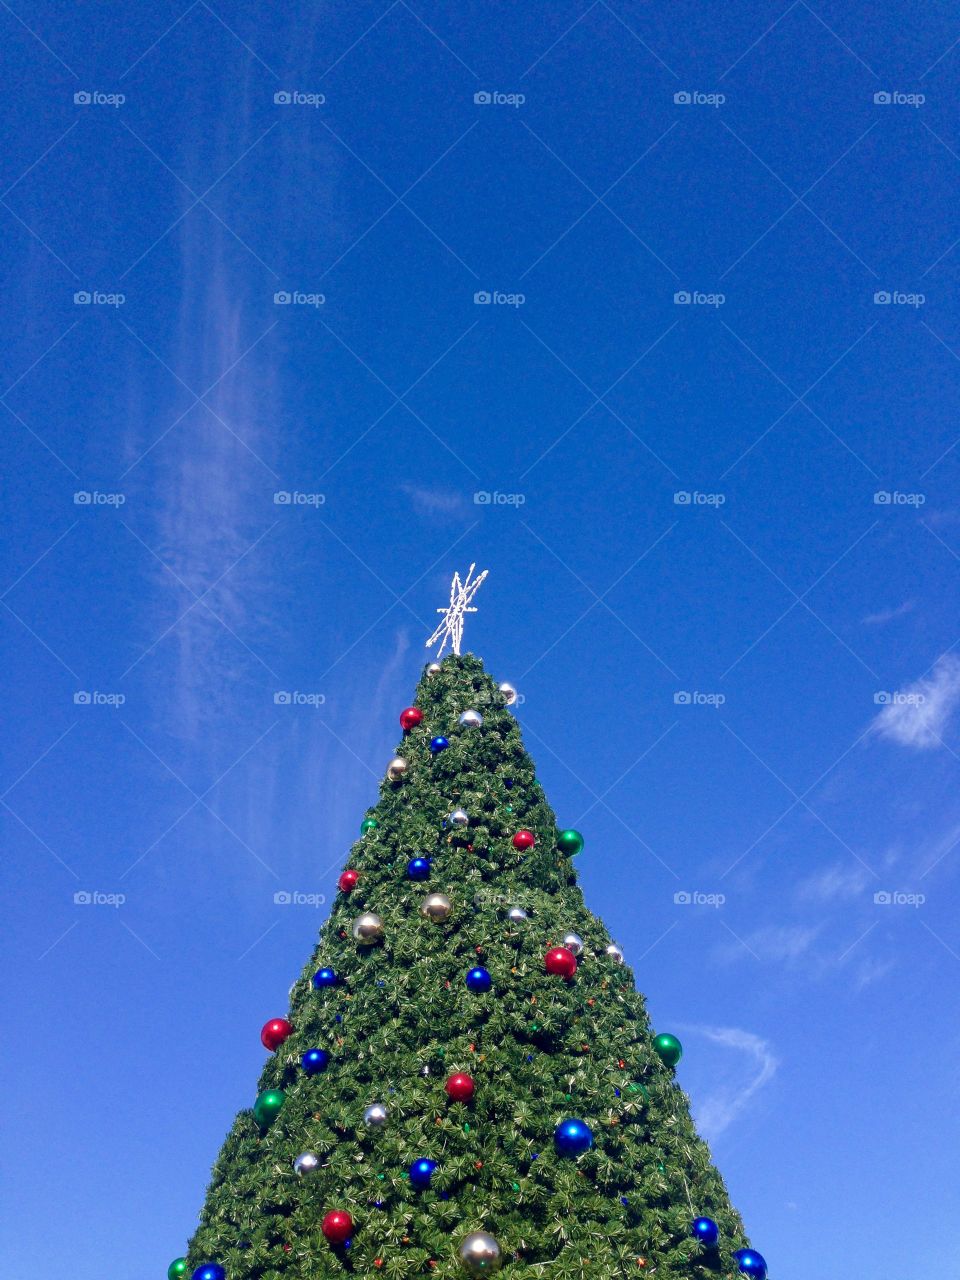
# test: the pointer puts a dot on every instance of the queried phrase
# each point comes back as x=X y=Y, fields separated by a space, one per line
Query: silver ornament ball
x=396 y=768
x=305 y=1162
x=459 y=818
x=615 y=954
x=375 y=1115
x=425 y=1070
x=470 y=720
x=433 y=669
x=573 y=942
x=516 y=914
x=480 y=1253
x=368 y=929
x=436 y=907
x=509 y=693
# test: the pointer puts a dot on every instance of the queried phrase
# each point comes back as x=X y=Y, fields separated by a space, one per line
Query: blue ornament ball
x=314 y=1061
x=706 y=1231
x=418 y=868
x=324 y=978
x=572 y=1137
x=479 y=980
x=751 y=1263
x=421 y=1171
x=209 y=1271
x=438 y=744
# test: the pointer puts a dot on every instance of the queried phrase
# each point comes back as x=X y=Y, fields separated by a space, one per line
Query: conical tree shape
x=540 y=1049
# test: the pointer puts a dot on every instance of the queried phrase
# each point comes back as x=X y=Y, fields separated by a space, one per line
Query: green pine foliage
x=539 y=1048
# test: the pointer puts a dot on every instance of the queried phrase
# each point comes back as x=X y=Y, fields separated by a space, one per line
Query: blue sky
x=711 y=400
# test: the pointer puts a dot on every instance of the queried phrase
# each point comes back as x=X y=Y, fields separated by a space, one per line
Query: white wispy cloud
x=888 y=615
x=429 y=502
x=720 y=1108
x=917 y=715
x=837 y=883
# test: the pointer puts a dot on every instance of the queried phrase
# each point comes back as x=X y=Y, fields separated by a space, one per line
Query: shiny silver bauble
x=375 y=1115
x=573 y=942
x=433 y=669
x=368 y=929
x=396 y=768
x=516 y=915
x=459 y=818
x=305 y=1162
x=436 y=907
x=509 y=693
x=480 y=1253
x=615 y=954
x=470 y=720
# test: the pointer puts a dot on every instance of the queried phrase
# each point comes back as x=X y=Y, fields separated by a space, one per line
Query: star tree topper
x=451 y=628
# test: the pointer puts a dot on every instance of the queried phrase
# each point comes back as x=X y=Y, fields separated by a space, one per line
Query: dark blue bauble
x=479 y=980
x=324 y=978
x=421 y=1171
x=418 y=868
x=314 y=1061
x=572 y=1137
x=209 y=1271
x=751 y=1263
x=508 y=783
x=706 y=1231
x=438 y=744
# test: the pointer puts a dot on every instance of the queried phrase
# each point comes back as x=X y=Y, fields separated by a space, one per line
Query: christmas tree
x=466 y=1079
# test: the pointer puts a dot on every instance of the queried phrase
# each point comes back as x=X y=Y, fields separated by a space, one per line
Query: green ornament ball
x=268 y=1106
x=570 y=842
x=177 y=1268
x=668 y=1048
x=368 y=824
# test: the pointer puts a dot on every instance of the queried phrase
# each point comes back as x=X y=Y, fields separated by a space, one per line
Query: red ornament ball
x=274 y=1032
x=561 y=962
x=524 y=840
x=460 y=1087
x=337 y=1226
x=348 y=880
x=410 y=718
